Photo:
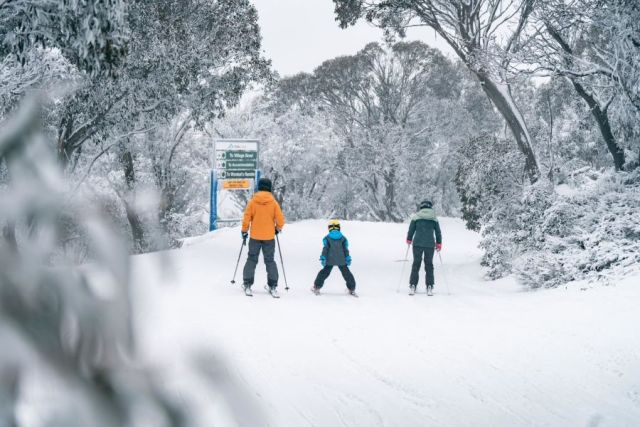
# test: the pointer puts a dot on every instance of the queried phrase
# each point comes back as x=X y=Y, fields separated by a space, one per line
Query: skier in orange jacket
x=262 y=220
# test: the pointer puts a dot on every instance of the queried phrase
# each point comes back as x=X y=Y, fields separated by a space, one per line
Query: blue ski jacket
x=335 y=249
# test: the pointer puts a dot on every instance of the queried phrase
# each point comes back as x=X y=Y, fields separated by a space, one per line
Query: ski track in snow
x=488 y=354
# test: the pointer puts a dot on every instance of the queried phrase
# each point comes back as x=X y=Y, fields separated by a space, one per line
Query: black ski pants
x=326 y=271
x=420 y=253
x=268 y=248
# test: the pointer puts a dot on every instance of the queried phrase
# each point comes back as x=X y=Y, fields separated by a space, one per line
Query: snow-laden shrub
x=512 y=227
x=489 y=173
x=584 y=225
x=189 y=223
x=498 y=251
x=540 y=269
x=590 y=233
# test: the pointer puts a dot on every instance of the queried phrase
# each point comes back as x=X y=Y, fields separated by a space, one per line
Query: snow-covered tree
x=90 y=35
x=187 y=62
x=392 y=109
x=566 y=45
x=484 y=34
x=298 y=153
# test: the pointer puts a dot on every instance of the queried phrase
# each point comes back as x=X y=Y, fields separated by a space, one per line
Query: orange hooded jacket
x=264 y=215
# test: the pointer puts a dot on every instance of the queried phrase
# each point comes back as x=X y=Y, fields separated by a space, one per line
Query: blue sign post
x=213 y=202
x=257 y=178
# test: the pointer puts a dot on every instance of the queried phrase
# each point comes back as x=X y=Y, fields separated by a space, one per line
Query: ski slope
x=482 y=354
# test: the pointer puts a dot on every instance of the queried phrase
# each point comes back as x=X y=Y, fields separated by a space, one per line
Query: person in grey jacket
x=335 y=252
x=424 y=225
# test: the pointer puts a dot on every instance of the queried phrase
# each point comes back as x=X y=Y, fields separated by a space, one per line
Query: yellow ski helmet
x=334 y=224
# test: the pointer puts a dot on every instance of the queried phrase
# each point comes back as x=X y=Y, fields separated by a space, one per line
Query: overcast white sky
x=298 y=35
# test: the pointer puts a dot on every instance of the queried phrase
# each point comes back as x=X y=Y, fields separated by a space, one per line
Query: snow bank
x=477 y=353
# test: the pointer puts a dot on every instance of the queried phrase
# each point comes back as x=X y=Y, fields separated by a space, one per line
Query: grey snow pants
x=418 y=254
x=268 y=248
x=346 y=274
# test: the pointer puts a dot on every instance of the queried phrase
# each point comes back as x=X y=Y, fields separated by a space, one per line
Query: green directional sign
x=236 y=165
x=236 y=159
x=241 y=165
x=241 y=155
x=241 y=174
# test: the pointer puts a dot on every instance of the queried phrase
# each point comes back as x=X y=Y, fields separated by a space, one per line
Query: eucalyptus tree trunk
x=500 y=96
x=600 y=113
x=137 y=229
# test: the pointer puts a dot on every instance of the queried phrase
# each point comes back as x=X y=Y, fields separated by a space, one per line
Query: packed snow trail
x=488 y=354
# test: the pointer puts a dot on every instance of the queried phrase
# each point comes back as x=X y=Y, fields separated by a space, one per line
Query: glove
x=277 y=231
x=348 y=260
x=323 y=261
x=408 y=242
x=438 y=247
x=244 y=236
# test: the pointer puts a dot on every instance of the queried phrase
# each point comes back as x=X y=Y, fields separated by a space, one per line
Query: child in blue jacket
x=335 y=252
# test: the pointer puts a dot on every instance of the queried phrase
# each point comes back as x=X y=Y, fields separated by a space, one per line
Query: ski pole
x=446 y=282
x=286 y=285
x=404 y=263
x=233 y=281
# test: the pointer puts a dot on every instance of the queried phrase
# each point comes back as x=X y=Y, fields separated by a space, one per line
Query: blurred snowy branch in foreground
x=63 y=335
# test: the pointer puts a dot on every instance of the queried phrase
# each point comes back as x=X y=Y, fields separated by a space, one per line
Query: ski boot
x=315 y=290
x=412 y=289
x=430 y=291
x=247 y=289
x=352 y=292
x=272 y=291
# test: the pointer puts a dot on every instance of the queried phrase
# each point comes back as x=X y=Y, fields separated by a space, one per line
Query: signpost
x=236 y=167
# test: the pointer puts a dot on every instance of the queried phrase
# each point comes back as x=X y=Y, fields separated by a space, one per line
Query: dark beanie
x=264 y=184
x=426 y=204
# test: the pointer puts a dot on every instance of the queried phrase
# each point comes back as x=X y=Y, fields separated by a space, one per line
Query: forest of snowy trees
x=555 y=191
x=108 y=110
x=530 y=132
x=523 y=133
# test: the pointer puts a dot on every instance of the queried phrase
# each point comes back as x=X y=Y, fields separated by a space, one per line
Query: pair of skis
x=316 y=292
x=412 y=291
x=272 y=291
x=247 y=289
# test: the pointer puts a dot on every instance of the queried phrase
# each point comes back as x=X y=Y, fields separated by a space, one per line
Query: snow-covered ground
x=476 y=354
